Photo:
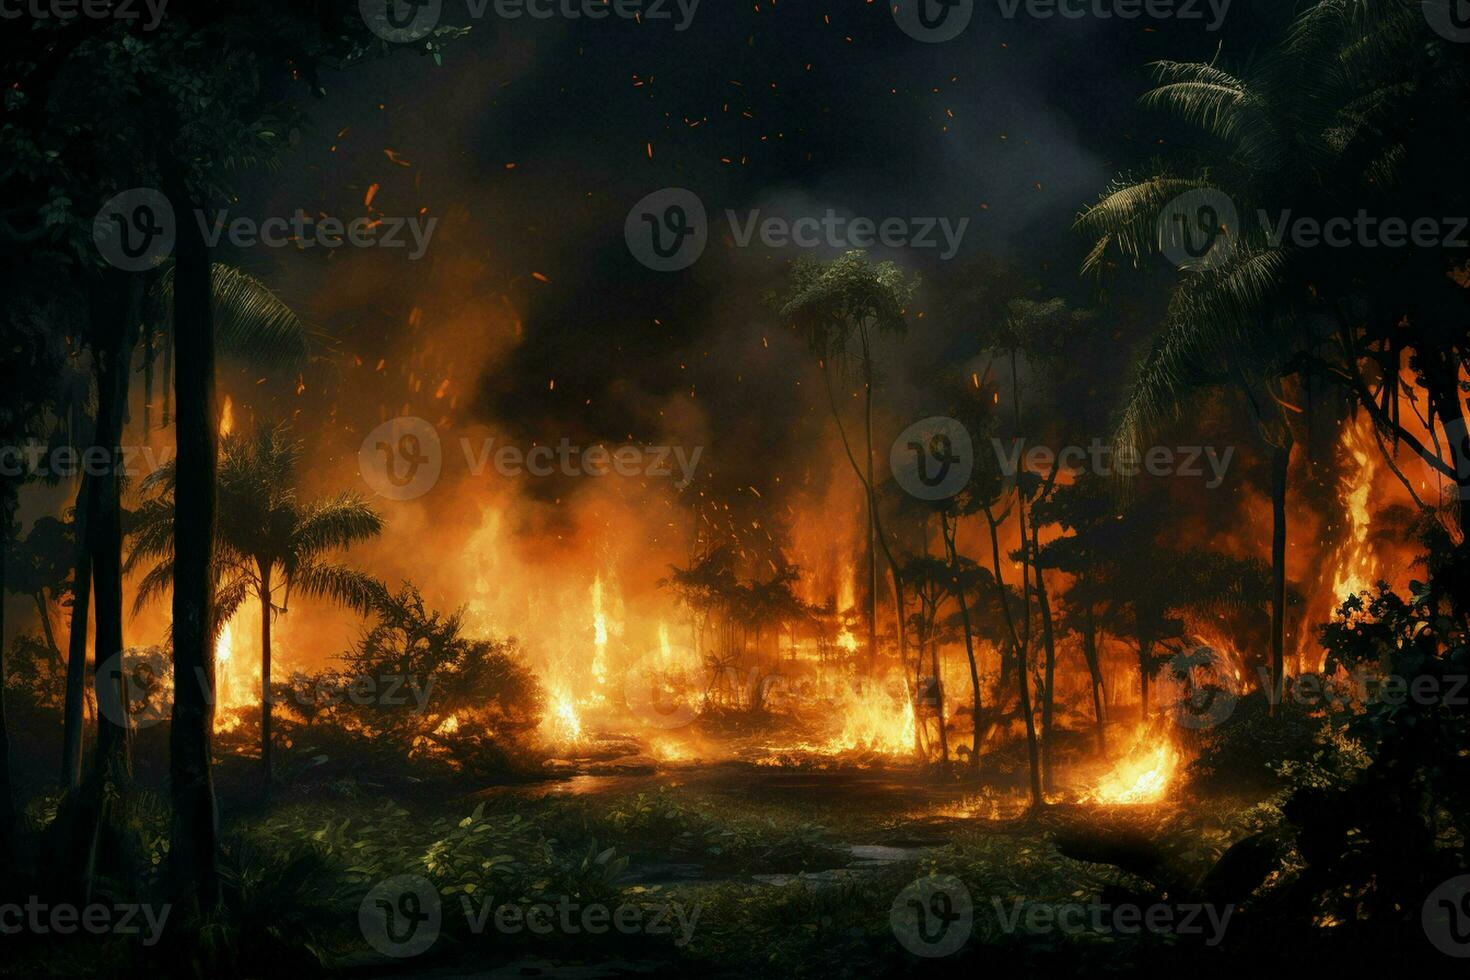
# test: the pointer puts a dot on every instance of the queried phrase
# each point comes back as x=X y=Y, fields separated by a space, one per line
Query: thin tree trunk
x=7 y=797
x=44 y=611
x=265 y=672
x=949 y=531
x=872 y=511
x=1089 y=653
x=1049 y=641
x=1280 y=465
x=74 y=722
x=104 y=525
x=192 y=853
x=939 y=703
x=1022 y=667
x=1145 y=654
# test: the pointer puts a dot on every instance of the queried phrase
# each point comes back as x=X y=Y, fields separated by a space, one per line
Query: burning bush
x=415 y=683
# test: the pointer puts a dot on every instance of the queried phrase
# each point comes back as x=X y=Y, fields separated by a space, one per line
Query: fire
x=599 y=633
x=877 y=718
x=1142 y=777
x=1354 y=561
x=562 y=725
x=227 y=417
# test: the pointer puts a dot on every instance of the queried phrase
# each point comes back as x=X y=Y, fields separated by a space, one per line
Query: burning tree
x=263 y=530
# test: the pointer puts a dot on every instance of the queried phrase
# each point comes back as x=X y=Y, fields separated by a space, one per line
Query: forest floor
x=733 y=869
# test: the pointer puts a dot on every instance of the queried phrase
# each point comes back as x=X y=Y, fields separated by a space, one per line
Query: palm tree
x=1239 y=316
x=843 y=307
x=1328 y=121
x=266 y=541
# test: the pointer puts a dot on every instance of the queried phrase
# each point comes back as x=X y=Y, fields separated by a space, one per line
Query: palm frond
x=250 y=321
x=339 y=583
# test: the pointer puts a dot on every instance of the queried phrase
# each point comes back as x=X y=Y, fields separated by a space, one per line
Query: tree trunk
x=1145 y=648
x=1049 y=641
x=76 y=661
x=265 y=672
x=7 y=798
x=939 y=704
x=192 y=853
x=1280 y=465
x=949 y=532
x=1022 y=667
x=104 y=519
x=44 y=611
x=1089 y=653
x=872 y=511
